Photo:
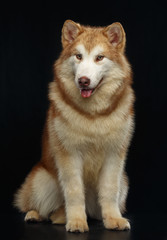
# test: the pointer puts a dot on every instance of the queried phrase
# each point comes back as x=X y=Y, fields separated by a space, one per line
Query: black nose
x=84 y=81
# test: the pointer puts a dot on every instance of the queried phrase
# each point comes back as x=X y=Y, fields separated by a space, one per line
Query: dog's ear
x=116 y=35
x=70 y=31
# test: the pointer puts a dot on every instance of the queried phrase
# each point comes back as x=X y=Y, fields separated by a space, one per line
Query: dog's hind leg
x=39 y=195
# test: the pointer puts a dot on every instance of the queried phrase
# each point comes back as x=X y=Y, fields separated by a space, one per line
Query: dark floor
x=144 y=226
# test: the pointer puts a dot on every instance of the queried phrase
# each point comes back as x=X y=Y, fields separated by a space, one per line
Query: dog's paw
x=58 y=217
x=32 y=216
x=116 y=223
x=77 y=225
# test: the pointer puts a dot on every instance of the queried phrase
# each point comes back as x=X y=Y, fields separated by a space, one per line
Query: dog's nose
x=84 y=81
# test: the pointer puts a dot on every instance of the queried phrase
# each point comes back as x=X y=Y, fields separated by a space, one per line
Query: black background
x=29 y=44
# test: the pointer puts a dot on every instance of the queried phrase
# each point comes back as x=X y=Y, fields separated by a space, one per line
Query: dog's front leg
x=109 y=188
x=70 y=168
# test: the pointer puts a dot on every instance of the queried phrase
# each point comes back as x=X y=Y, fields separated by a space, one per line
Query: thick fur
x=86 y=135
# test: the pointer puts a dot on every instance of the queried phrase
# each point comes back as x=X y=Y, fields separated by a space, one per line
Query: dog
x=89 y=126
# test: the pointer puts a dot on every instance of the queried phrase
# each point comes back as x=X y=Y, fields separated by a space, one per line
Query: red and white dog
x=87 y=133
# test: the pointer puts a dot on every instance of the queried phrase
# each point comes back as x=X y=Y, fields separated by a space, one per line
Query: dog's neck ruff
x=113 y=102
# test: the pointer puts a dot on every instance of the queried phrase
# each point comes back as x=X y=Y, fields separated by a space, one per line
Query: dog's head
x=92 y=54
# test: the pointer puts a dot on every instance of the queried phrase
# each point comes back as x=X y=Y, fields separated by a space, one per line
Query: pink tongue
x=86 y=93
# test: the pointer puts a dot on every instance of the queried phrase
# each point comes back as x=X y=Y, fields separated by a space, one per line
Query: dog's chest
x=93 y=160
x=82 y=133
x=93 y=140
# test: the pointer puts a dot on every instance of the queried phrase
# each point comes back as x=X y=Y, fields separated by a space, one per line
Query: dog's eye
x=79 y=56
x=99 y=58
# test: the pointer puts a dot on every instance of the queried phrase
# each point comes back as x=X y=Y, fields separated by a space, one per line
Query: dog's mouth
x=87 y=92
